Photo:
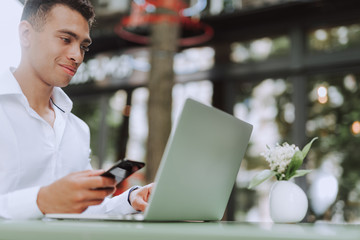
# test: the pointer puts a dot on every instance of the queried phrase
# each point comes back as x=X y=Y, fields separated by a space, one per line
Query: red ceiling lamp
x=136 y=27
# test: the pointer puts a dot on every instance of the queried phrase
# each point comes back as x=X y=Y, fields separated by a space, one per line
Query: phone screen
x=123 y=169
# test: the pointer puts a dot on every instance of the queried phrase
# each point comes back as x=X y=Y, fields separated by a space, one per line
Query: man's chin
x=62 y=83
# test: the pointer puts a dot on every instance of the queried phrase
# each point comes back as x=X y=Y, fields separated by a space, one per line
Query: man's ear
x=25 y=29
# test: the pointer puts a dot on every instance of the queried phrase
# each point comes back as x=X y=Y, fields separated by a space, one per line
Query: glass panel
x=334 y=116
x=104 y=117
x=334 y=39
x=229 y=6
x=260 y=49
x=138 y=125
x=108 y=68
x=194 y=60
x=110 y=7
x=268 y=107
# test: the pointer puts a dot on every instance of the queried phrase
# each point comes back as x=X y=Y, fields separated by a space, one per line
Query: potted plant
x=288 y=202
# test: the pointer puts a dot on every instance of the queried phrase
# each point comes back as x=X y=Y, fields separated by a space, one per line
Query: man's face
x=58 y=49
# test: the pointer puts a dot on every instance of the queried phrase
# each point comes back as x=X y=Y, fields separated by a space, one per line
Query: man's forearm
x=20 y=204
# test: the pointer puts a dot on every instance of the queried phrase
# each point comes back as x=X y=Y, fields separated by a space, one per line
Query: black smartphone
x=123 y=169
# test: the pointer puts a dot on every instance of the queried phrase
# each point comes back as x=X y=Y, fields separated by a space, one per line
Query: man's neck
x=37 y=92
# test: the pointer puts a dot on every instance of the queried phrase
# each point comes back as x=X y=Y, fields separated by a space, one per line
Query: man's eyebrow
x=74 y=35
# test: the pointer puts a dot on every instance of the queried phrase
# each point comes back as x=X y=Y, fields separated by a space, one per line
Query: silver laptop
x=198 y=168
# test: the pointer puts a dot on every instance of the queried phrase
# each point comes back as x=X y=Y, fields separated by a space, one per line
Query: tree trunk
x=164 y=38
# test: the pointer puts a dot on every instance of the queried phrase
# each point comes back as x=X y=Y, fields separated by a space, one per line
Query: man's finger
x=87 y=173
x=95 y=182
x=99 y=193
x=149 y=189
x=96 y=172
x=139 y=204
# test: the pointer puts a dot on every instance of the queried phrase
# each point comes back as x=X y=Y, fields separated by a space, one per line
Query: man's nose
x=76 y=54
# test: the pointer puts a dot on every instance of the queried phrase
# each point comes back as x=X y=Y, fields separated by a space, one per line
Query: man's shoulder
x=77 y=122
x=9 y=85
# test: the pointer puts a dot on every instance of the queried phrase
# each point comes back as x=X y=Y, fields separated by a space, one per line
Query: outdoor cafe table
x=107 y=230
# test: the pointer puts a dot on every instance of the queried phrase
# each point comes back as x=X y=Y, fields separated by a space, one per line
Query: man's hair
x=36 y=11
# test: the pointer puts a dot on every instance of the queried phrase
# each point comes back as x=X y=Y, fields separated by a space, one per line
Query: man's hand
x=75 y=192
x=139 y=198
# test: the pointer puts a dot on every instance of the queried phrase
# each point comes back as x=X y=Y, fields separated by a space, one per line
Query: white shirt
x=34 y=154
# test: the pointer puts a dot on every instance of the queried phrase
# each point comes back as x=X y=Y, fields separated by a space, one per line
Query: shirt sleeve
x=20 y=204
x=116 y=205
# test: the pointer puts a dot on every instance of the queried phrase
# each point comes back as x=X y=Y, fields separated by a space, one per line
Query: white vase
x=288 y=202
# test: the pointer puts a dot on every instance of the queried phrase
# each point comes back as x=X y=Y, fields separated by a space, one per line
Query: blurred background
x=291 y=68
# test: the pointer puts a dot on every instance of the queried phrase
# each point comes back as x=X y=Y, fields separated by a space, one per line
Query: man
x=44 y=148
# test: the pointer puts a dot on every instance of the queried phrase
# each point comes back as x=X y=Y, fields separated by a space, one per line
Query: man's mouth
x=69 y=69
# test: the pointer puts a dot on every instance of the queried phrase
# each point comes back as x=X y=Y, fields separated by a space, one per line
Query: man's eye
x=66 y=40
x=84 y=48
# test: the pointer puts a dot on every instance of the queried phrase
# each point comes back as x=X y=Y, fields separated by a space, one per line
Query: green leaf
x=308 y=146
x=300 y=173
x=261 y=177
x=294 y=165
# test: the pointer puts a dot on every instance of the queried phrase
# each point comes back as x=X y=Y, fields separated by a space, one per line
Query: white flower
x=284 y=163
x=280 y=157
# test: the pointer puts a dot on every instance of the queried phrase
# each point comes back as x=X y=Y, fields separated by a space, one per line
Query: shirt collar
x=9 y=85
x=61 y=100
